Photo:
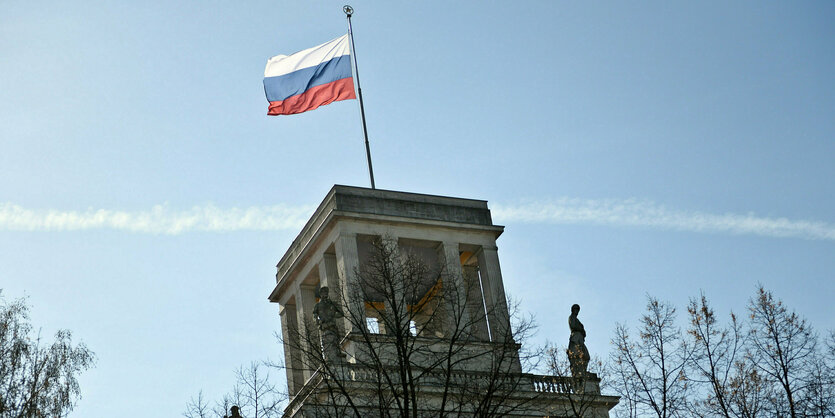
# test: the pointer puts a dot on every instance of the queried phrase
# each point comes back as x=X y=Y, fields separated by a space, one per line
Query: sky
x=630 y=149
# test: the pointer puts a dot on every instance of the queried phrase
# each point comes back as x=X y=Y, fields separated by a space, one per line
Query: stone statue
x=578 y=354
x=235 y=412
x=326 y=312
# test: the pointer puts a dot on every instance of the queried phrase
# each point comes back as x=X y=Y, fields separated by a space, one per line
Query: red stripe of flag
x=314 y=97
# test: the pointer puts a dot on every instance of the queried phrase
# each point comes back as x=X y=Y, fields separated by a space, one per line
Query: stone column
x=493 y=286
x=328 y=275
x=455 y=288
x=292 y=360
x=475 y=303
x=308 y=331
x=347 y=262
x=491 y=277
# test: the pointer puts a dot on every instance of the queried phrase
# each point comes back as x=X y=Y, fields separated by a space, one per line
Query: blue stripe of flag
x=297 y=82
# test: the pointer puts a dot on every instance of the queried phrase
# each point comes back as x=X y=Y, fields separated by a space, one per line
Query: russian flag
x=310 y=78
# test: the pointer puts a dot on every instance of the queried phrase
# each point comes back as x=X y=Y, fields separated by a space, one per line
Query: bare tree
x=651 y=370
x=414 y=327
x=580 y=402
x=829 y=352
x=784 y=349
x=197 y=407
x=821 y=389
x=257 y=395
x=253 y=393
x=622 y=379
x=725 y=379
x=716 y=352
x=232 y=398
x=768 y=366
x=37 y=379
x=825 y=392
x=748 y=388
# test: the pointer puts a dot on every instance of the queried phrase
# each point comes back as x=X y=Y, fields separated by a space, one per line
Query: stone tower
x=455 y=350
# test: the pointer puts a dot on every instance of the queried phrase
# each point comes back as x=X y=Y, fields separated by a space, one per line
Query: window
x=372 y=325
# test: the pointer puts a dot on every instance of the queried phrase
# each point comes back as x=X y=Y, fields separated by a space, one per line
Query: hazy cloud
x=159 y=220
x=647 y=214
x=607 y=212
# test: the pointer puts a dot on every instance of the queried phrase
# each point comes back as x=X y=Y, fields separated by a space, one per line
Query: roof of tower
x=393 y=206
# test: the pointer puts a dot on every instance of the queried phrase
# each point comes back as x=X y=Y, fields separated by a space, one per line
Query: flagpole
x=348 y=12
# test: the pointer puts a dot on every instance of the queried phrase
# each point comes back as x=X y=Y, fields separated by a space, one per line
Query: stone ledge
x=363 y=201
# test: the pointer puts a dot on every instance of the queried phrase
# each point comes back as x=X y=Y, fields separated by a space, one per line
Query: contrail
x=647 y=214
x=161 y=219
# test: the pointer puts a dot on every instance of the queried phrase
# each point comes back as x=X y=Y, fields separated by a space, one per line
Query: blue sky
x=659 y=147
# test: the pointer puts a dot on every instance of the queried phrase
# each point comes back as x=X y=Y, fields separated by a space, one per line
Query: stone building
x=463 y=356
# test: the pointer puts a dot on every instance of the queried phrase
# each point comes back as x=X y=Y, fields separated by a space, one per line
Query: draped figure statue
x=325 y=312
x=578 y=354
